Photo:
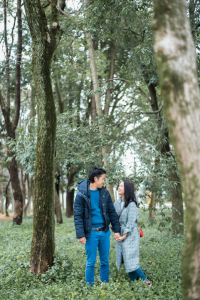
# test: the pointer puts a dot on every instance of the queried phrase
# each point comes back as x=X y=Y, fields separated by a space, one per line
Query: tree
x=176 y=61
x=44 y=43
x=11 y=125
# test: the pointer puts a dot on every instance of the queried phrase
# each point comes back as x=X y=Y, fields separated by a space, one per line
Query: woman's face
x=121 y=189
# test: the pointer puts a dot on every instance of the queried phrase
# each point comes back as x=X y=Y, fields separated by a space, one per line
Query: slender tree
x=176 y=61
x=44 y=43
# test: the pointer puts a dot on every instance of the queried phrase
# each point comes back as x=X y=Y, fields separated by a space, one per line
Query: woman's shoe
x=147 y=281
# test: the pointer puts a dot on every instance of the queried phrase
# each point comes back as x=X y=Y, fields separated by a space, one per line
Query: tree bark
x=176 y=61
x=44 y=42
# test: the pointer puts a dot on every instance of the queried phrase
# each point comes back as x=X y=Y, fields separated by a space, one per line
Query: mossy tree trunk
x=176 y=61
x=44 y=43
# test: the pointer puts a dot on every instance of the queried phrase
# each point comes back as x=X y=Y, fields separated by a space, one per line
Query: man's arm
x=79 y=217
x=113 y=217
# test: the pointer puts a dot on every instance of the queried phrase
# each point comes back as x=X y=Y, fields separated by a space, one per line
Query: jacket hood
x=84 y=187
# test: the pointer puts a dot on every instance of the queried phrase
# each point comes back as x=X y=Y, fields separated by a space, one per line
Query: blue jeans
x=98 y=240
x=135 y=274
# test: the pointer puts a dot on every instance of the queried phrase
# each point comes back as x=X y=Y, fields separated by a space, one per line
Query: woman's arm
x=132 y=218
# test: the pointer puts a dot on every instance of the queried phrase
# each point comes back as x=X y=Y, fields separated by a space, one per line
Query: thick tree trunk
x=176 y=60
x=44 y=44
x=7 y=198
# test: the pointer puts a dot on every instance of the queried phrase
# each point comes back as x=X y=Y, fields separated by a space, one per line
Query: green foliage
x=160 y=259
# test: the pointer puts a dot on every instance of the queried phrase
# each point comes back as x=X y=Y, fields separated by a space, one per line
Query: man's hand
x=121 y=238
x=82 y=240
x=117 y=235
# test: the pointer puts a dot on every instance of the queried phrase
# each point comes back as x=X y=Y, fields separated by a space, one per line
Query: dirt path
x=4 y=218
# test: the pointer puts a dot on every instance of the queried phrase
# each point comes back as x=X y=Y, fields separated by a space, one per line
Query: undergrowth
x=160 y=260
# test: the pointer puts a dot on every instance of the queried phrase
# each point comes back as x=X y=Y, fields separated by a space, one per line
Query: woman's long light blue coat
x=128 y=249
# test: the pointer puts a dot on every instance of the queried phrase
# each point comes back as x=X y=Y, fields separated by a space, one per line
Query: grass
x=160 y=260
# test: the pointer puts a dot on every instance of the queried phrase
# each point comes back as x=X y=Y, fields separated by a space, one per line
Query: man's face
x=99 y=182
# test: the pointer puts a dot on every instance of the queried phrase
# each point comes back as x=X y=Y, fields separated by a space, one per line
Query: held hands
x=121 y=238
x=82 y=240
x=117 y=235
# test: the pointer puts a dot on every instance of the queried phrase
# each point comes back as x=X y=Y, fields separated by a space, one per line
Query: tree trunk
x=58 y=211
x=7 y=198
x=176 y=199
x=26 y=206
x=152 y=205
x=1 y=192
x=174 y=178
x=63 y=207
x=11 y=126
x=32 y=192
x=23 y=188
x=93 y=106
x=110 y=189
x=18 y=199
x=70 y=194
x=97 y=92
x=176 y=61
x=44 y=41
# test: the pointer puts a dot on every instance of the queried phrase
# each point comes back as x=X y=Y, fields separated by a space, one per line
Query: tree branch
x=135 y=85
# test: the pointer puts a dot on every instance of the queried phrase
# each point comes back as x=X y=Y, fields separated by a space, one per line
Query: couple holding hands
x=93 y=212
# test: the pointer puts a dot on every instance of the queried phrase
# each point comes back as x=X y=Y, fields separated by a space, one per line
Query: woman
x=127 y=246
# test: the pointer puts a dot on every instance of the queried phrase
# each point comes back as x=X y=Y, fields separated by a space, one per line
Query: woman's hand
x=121 y=238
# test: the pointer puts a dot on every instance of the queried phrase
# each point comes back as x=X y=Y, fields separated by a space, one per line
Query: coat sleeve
x=79 y=216
x=132 y=218
x=113 y=215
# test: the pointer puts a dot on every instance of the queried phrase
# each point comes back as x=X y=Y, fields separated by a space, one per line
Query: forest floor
x=9 y=218
x=160 y=260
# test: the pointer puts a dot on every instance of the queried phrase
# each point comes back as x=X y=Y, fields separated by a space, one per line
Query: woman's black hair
x=96 y=172
x=129 y=192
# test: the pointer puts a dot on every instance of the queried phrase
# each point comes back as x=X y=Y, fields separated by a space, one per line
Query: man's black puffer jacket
x=83 y=213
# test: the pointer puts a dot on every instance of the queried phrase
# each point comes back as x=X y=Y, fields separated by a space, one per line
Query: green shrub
x=160 y=260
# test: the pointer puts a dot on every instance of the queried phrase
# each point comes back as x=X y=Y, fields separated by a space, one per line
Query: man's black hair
x=96 y=172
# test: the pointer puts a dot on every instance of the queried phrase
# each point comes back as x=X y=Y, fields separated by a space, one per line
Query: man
x=93 y=212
